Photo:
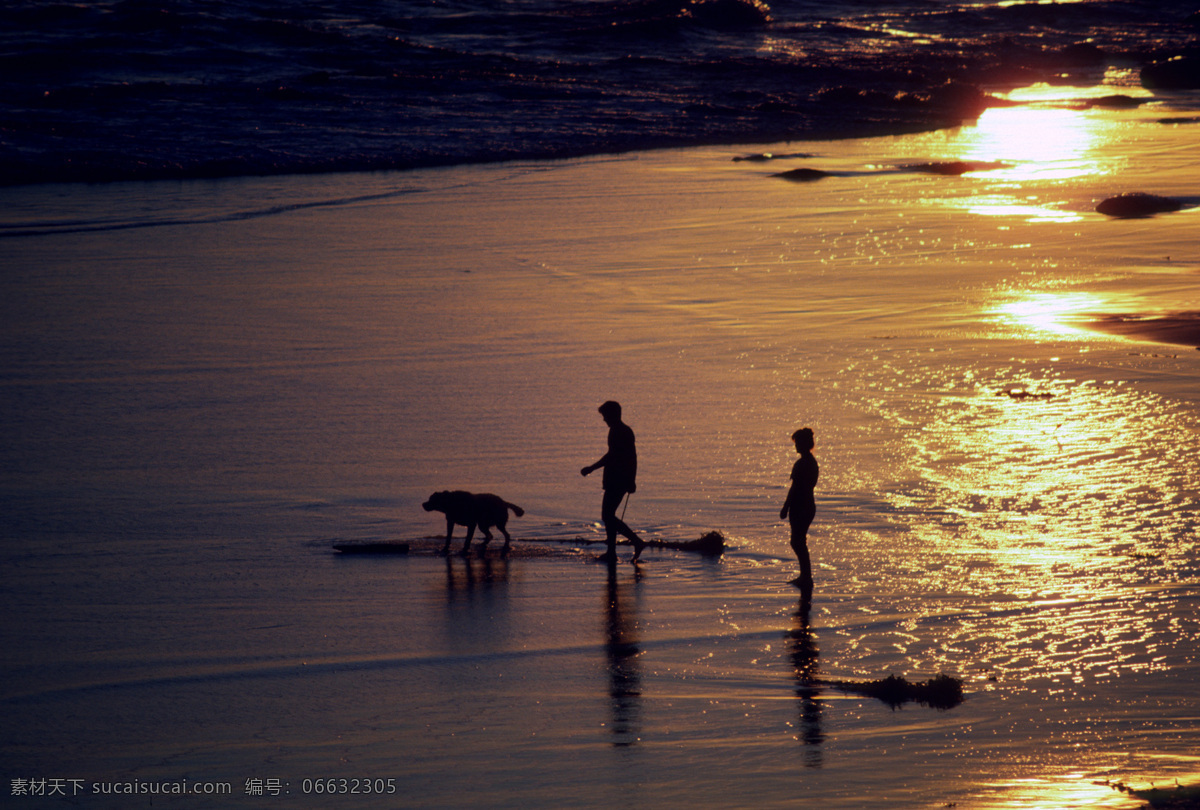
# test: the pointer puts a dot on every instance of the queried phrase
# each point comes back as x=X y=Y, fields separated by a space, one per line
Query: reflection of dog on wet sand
x=471 y=510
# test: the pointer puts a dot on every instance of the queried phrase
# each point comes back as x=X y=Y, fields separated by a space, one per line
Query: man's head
x=611 y=411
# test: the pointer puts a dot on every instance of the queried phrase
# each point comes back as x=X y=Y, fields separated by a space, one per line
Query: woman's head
x=803 y=439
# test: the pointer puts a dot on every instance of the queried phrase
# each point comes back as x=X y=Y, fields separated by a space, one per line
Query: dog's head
x=437 y=502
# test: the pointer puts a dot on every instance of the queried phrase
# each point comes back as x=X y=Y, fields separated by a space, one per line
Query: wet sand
x=207 y=383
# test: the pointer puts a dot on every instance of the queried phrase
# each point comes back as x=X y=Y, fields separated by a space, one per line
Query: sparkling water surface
x=206 y=383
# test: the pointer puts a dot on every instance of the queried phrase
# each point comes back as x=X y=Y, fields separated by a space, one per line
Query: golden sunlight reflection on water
x=1062 y=468
x=1052 y=313
x=1007 y=205
x=1043 y=143
x=1026 y=155
x=1072 y=790
x=1049 y=135
x=1040 y=495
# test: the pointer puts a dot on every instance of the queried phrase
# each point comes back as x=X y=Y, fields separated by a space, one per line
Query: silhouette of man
x=800 y=505
x=620 y=479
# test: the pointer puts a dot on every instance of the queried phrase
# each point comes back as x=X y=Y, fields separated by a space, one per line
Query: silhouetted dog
x=471 y=510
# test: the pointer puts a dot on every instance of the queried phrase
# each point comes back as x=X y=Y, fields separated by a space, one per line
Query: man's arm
x=591 y=468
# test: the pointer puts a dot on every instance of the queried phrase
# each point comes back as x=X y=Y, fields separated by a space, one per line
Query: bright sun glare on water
x=1043 y=143
x=1053 y=313
x=1048 y=135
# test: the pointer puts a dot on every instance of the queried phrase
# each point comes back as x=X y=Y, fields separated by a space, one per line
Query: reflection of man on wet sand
x=625 y=679
x=620 y=479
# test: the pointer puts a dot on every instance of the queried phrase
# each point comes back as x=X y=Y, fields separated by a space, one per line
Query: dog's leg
x=507 y=540
x=470 y=534
x=449 y=532
x=487 y=538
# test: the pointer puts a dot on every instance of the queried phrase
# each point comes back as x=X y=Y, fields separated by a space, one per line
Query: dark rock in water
x=1137 y=204
x=1179 y=120
x=955 y=168
x=764 y=157
x=1116 y=102
x=942 y=692
x=802 y=175
x=1178 y=73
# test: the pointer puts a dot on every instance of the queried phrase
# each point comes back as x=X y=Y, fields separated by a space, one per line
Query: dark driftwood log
x=372 y=548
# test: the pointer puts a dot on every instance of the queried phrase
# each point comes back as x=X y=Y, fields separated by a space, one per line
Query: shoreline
x=17 y=176
x=960 y=109
x=856 y=117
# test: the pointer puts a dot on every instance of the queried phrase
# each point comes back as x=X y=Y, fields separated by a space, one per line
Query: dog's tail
x=518 y=511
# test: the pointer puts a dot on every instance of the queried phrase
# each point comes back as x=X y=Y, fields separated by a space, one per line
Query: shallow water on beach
x=209 y=383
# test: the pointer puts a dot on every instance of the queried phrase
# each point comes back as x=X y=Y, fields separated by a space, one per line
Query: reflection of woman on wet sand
x=805 y=667
x=800 y=506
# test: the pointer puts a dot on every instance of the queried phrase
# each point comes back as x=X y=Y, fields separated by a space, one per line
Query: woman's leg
x=800 y=546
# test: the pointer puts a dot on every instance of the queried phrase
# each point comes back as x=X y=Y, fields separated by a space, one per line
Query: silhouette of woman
x=800 y=506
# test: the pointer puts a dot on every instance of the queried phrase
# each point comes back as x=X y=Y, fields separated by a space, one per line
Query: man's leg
x=612 y=523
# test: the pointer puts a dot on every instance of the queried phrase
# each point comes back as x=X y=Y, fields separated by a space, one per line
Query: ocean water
x=238 y=354
x=123 y=89
x=206 y=383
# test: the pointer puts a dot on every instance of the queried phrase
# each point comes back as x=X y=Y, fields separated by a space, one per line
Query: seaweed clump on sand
x=711 y=544
x=941 y=692
x=1180 y=797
